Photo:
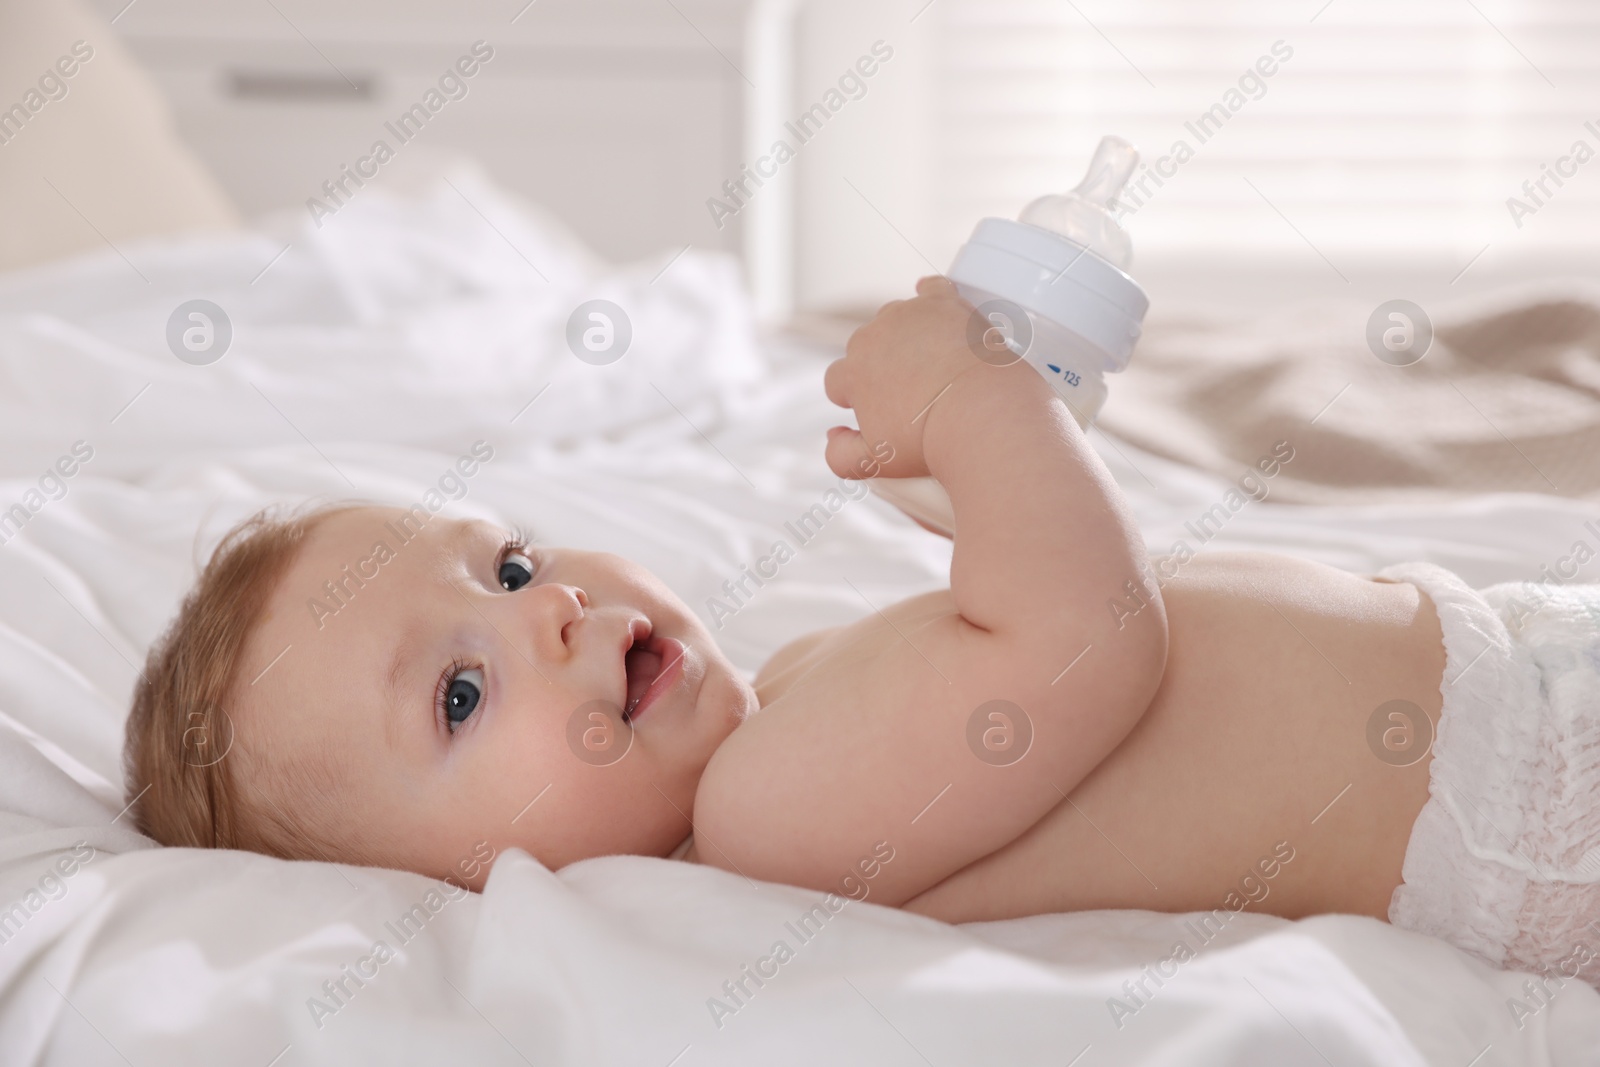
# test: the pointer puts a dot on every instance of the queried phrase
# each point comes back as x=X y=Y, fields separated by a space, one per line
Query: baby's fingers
x=847 y=454
x=833 y=383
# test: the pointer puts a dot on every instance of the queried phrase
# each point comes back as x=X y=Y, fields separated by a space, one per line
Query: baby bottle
x=1053 y=288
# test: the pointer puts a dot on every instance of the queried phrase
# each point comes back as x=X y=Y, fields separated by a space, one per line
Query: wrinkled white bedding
x=364 y=360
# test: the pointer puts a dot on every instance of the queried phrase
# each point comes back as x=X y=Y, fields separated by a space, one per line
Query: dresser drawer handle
x=310 y=87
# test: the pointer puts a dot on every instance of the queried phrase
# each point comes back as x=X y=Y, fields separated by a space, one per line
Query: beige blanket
x=1506 y=399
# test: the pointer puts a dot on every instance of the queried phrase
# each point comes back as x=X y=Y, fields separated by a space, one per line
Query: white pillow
x=86 y=141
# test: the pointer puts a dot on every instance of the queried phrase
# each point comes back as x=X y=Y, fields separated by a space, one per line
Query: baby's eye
x=462 y=696
x=516 y=571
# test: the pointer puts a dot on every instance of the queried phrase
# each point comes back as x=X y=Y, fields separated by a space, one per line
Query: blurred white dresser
x=620 y=116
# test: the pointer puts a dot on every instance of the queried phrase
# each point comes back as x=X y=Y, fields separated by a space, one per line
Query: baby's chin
x=737 y=693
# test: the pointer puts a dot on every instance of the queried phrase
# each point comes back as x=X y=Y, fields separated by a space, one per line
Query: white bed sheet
x=365 y=359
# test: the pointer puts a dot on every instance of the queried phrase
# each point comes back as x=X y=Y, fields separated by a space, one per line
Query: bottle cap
x=1058 y=280
x=1063 y=259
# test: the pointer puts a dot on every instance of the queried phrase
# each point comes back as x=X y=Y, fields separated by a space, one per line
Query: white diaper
x=1504 y=860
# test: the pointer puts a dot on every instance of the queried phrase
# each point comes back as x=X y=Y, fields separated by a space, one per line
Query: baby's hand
x=893 y=369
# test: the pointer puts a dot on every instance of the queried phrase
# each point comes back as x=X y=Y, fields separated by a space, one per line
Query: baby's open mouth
x=642 y=663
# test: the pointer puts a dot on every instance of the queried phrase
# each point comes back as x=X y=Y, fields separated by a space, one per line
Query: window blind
x=1421 y=130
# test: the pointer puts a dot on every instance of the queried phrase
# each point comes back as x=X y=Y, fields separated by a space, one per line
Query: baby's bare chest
x=832 y=664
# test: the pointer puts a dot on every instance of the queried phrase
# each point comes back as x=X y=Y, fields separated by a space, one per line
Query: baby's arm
x=1043 y=542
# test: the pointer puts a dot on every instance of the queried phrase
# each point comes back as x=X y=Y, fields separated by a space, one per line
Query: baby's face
x=451 y=690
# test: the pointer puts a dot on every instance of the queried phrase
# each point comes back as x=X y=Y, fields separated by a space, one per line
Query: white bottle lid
x=1058 y=280
x=1051 y=263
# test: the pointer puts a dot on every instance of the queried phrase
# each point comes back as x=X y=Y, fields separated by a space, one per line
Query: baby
x=1058 y=730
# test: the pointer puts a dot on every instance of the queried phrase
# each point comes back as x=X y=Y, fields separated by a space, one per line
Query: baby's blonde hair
x=184 y=785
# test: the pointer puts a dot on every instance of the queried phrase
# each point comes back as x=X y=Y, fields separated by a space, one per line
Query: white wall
x=864 y=180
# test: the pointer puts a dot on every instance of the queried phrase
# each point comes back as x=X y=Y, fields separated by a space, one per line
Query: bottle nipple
x=1082 y=216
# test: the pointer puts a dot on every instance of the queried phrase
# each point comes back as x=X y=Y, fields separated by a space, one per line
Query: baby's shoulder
x=788 y=663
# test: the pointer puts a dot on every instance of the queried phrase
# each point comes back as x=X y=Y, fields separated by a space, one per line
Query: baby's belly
x=1254 y=749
